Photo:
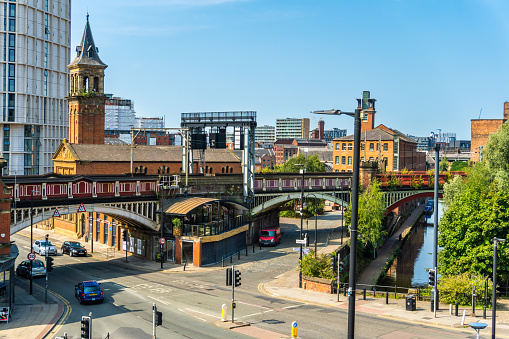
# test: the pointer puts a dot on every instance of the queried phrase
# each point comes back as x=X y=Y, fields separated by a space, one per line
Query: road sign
x=31 y=256
x=301 y=241
x=56 y=214
x=81 y=208
x=162 y=241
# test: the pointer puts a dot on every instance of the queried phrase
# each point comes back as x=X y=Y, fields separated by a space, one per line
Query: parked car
x=40 y=246
x=89 y=291
x=270 y=236
x=73 y=248
x=38 y=269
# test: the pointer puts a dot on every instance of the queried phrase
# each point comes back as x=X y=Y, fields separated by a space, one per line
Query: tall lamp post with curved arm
x=355 y=213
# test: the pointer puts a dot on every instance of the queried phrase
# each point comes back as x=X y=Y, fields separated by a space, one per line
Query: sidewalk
x=370 y=275
x=30 y=318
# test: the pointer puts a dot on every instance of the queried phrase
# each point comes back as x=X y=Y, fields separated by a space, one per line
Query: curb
x=52 y=323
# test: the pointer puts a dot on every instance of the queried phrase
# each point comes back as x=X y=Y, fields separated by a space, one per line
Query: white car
x=40 y=246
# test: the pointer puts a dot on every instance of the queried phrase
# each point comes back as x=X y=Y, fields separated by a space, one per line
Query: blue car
x=89 y=291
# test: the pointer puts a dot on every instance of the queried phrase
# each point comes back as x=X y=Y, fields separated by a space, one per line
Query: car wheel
x=62 y=250
x=70 y=253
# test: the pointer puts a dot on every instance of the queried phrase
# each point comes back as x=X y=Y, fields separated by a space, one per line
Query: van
x=270 y=236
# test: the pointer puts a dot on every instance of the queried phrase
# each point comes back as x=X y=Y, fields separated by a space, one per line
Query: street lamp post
x=434 y=299
x=494 y=289
x=302 y=170
x=162 y=228
x=31 y=237
x=355 y=209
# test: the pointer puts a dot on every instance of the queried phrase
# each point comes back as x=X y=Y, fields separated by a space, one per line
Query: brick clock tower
x=86 y=96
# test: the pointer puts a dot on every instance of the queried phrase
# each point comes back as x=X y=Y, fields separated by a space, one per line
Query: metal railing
x=214 y=227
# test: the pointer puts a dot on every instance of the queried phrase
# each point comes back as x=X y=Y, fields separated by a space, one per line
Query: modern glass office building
x=34 y=54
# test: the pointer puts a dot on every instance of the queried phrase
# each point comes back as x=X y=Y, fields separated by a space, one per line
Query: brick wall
x=480 y=132
x=317 y=284
x=5 y=219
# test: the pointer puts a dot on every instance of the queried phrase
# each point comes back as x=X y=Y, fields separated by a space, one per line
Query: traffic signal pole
x=233 y=294
x=47 y=272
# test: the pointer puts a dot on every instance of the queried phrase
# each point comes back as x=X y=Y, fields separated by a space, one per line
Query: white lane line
x=162 y=302
x=287 y=307
x=268 y=311
x=250 y=315
x=209 y=315
x=254 y=305
x=192 y=315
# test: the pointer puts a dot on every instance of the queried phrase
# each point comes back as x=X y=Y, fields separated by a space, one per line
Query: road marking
x=254 y=305
x=250 y=315
x=292 y=306
x=210 y=315
x=162 y=302
x=192 y=315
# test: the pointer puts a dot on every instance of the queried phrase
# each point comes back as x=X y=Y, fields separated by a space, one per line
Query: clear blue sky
x=429 y=63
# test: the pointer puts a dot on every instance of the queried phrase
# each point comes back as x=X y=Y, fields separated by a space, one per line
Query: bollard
x=450 y=309
x=456 y=311
x=473 y=301
x=294 y=329
x=386 y=297
x=224 y=312
x=222 y=261
x=374 y=292
x=344 y=290
x=185 y=263
x=463 y=318
x=364 y=294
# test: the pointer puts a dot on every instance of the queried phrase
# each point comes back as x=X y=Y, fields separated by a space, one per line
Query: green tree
x=443 y=165
x=311 y=163
x=459 y=166
x=496 y=156
x=371 y=214
x=452 y=189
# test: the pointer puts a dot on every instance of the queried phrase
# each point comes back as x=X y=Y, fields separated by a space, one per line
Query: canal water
x=410 y=269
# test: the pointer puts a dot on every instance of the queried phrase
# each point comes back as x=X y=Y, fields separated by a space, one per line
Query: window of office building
x=362 y=146
x=350 y=147
x=386 y=147
x=337 y=146
x=337 y=160
x=343 y=160
x=371 y=147
x=349 y=160
x=343 y=147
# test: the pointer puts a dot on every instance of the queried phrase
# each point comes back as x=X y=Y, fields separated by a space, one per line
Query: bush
x=458 y=289
x=317 y=266
x=287 y=214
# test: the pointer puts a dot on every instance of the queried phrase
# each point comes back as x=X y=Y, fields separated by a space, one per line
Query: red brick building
x=481 y=130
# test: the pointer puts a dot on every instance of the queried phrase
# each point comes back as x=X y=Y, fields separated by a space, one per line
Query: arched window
x=146 y=170
x=222 y=170
x=231 y=169
x=96 y=84
x=167 y=170
x=85 y=84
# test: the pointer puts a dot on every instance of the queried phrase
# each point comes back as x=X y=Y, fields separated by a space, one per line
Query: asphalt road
x=191 y=301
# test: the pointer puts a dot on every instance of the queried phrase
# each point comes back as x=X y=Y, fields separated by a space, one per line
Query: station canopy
x=184 y=206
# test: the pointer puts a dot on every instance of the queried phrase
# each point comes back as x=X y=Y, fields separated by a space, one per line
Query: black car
x=73 y=248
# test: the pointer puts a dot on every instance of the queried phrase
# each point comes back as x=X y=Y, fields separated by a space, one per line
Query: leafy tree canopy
x=443 y=165
x=459 y=166
x=496 y=156
x=311 y=163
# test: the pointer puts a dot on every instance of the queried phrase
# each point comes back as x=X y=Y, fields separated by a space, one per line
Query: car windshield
x=38 y=264
x=95 y=288
x=45 y=243
x=268 y=233
x=75 y=244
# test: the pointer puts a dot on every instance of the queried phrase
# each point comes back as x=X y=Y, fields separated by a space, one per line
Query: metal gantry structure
x=244 y=124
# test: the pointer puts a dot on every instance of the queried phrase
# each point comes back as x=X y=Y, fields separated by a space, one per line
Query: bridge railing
x=214 y=227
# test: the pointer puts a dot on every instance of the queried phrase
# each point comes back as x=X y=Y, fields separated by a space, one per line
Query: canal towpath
x=370 y=274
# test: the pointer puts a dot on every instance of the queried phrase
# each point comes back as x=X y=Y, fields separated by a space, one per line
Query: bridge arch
x=142 y=214
x=408 y=198
x=282 y=198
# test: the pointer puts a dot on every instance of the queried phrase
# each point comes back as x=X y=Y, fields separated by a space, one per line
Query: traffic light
x=341 y=267
x=431 y=277
x=159 y=318
x=86 y=323
x=237 y=278
x=228 y=277
x=49 y=264
x=124 y=235
x=332 y=263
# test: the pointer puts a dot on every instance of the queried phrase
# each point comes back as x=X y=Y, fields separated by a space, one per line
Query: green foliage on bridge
x=476 y=211
x=312 y=164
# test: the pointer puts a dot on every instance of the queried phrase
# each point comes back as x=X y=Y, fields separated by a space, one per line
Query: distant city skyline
x=430 y=65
